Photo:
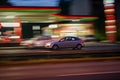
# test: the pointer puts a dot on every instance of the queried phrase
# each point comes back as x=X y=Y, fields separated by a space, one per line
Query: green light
x=88 y=19
x=48 y=11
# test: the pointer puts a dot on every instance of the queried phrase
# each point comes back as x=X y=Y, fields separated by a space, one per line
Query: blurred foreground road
x=63 y=71
x=104 y=70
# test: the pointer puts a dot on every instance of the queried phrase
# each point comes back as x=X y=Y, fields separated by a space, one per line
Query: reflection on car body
x=38 y=41
x=50 y=43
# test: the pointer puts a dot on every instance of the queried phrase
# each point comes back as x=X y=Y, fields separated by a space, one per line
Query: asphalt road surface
x=88 y=48
x=63 y=71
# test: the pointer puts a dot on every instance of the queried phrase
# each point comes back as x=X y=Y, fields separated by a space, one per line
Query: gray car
x=66 y=42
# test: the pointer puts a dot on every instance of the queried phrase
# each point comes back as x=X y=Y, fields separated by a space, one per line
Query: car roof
x=71 y=36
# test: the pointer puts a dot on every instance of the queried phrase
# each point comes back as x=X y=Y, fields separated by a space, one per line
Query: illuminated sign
x=53 y=26
x=36 y=27
x=108 y=1
x=14 y=24
x=110 y=20
x=110 y=17
x=109 y=11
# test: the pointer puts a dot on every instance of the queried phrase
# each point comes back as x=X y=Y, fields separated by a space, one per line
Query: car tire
x=55 y=47
x=79 y=47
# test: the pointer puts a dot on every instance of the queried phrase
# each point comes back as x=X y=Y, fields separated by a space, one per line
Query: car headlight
x=48 y=44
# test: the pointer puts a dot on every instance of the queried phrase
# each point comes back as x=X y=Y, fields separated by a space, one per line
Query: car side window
x=68 y=39
x=73 y=39
x=76 y=38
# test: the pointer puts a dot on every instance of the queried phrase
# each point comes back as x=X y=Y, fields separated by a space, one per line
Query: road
x=96 y=50
x=87 y=48
x=63 y=71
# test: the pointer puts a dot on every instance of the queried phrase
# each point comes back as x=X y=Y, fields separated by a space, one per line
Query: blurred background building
x=23 y=19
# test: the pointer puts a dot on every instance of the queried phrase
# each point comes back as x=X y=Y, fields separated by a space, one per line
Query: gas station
x=18 y=23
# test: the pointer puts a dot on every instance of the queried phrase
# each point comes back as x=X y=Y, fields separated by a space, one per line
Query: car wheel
x=55 y=47
x=79 y=46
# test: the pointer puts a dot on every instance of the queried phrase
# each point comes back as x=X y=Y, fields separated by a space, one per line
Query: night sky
x=34 y=2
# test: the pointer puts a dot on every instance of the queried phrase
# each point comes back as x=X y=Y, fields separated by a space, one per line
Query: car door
x=68 y=42
x=72 y=42
x=64 y=42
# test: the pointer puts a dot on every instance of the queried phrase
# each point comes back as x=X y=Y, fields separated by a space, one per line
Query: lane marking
x=88 y=73
x=23 y=74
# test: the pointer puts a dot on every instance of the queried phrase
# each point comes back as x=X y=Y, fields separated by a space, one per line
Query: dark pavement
x=108 y=70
